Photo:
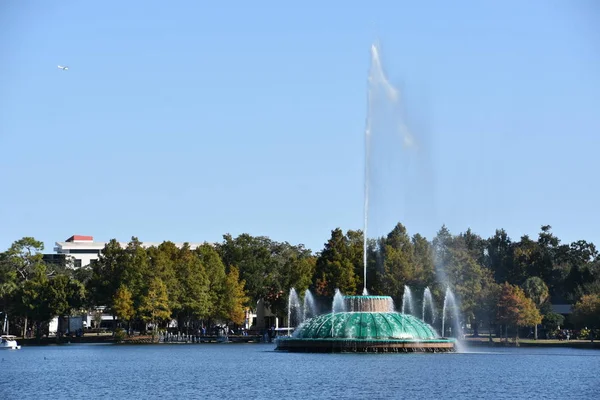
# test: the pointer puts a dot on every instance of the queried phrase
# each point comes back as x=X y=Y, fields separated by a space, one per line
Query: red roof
x=80 y=237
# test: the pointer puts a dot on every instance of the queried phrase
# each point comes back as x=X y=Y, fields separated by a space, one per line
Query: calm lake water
x=256 y=371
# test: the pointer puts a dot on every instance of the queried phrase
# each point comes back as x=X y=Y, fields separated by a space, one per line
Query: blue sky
x=186 y=120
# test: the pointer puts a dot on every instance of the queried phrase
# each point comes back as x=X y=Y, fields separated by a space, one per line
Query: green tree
x=25 y=259
x=235 y=298
x=468 y=279
x=42 y=298
x=155 y=306
x=294 y=268
x=355 y=254
x=582 y=267
x=442 y=243
x=550 y=260
x=457 y=266
x=252 y=256
x=193 y=302
x=66 y=294
x=35 y=299
x=123 y=304
x=499 y=258
x=552 y=321
x=25 y=256
x=424 y=269
x=486 y=305
x=398 y=265
x=161 y=265
x=334 y=268
x=536 y=290
x=526 y=259
x=8 y=286
x=135 y=271
x=375 y=266
x=215 y=271
x=107 y=274
x=475 y=245
x=587 y=311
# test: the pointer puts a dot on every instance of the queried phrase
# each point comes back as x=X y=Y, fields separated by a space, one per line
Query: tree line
x=499 y=282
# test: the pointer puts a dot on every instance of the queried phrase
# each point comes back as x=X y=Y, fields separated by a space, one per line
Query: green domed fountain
x=367 y=324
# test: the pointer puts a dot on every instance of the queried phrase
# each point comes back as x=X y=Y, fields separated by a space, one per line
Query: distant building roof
x=80 y=238
x=89 y=244
x=562 y=308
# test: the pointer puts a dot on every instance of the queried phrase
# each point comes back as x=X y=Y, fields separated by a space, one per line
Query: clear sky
x=186 y=120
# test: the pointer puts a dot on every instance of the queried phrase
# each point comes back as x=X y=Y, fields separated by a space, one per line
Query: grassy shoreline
x=497 y=342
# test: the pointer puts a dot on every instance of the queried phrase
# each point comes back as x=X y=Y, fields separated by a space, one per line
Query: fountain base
x=292 y=344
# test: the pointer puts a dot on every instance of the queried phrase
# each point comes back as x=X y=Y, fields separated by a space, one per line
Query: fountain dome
x=369 y=324
x=365 y=326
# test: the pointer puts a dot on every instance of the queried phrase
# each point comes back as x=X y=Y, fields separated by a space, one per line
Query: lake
x=256 y=371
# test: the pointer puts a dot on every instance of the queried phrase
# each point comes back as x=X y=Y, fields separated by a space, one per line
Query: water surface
x=256 y=371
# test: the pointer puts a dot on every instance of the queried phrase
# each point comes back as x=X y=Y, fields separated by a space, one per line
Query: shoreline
x=146 y=340
x=575 y=344
x=109 y=339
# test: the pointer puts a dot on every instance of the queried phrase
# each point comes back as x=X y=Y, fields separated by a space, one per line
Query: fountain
x=309 y=308
x=338 y=304
x=293 y=308
x=369 y=323
x=407 y=301
x=428 y=299
x=450 y=307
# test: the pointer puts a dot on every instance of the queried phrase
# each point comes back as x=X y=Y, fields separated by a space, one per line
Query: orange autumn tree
x=516 y=309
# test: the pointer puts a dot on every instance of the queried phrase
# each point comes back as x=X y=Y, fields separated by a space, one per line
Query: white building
x=83 y=250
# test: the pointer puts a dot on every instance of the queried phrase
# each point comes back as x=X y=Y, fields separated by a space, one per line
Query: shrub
x=119 y=335
x=584 y=334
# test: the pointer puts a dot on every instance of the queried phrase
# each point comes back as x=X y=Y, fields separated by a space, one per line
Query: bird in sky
x=63 y=67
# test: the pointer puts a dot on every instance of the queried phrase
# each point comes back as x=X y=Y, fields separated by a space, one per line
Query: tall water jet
x=379 y=87
x=293 y=308
x=309 y=308
x=428 y=300
x=407 y=302
x=369 y=323
x=397 y=185
x=450 y=307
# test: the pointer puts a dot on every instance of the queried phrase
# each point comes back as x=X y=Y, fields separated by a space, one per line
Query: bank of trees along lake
x=498 y=281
